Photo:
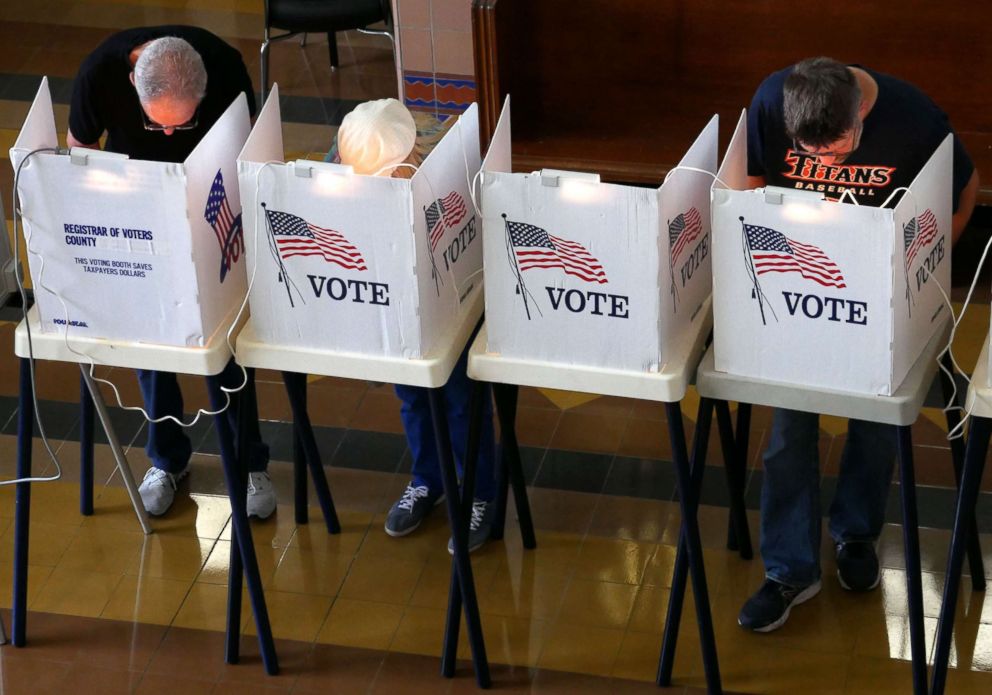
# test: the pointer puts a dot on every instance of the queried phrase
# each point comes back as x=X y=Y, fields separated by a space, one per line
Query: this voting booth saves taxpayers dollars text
x=360 y=264
x=139 y=251
x=828 y=294
x=595 y=274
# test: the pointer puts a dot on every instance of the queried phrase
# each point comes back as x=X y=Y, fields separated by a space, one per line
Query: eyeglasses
x=836 y=154
x=158 y=127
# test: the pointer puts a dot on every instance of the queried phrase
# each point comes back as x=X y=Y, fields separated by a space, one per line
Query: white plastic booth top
x=979 y=402
x=901 y=408
x=205 y=361
x=667 y=385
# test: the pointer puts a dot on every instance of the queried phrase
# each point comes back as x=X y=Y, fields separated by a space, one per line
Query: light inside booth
x=330 y=179
x=801 y=207
x=576 y=186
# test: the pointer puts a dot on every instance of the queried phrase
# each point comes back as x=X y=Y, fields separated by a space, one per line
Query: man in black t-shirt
x=826 y=127
x=155 y=92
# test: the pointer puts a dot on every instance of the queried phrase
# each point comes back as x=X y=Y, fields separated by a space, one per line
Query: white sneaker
x=158 y=489
x=261 y=495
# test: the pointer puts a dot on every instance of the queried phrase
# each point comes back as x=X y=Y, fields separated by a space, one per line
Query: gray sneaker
x=480 y=526
x=261 y=500
x=411 y=509
x=158 y=489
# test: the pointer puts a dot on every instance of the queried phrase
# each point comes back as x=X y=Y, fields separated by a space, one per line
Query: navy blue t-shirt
x=900 y=134
x=103 y=98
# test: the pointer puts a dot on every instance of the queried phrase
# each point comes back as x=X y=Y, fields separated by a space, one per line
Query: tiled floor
x=114 y=611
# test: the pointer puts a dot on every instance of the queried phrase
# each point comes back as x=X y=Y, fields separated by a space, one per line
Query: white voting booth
x=359 y=264
x=826 y=294
x=595 y=274
x=138 y=251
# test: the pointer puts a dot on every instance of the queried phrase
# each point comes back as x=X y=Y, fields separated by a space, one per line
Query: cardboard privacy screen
x=359 y=264
x=138 y=251
x=596 y=274
x=826 y=294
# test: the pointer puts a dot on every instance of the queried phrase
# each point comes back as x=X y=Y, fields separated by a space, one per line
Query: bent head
x=171 y=81
x=823 y=109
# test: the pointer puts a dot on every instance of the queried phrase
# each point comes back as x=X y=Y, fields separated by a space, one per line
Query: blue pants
x=790 y=496
x=168 y=446
x=416 y=414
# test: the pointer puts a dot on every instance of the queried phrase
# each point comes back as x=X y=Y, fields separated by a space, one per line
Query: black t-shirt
x=900 y=133
x=103 y=98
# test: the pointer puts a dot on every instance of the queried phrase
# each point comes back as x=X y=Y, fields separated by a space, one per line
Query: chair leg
x=264 y=86
x=332 y=49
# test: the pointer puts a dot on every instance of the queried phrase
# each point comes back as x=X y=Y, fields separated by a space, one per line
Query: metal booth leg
x=22 y=506
x=735 y=464
x=689 y=558
x=964 y=517
x=296 y=389
x=85 y=447
x=511 y=470
x=911 y=543
x=96 y=400
x=236 y=492
x=975 y=562
x=453 y=618
x=459 y=533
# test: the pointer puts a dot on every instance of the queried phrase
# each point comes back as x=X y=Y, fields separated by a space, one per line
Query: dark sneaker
x=480 y=526
x=411 y=509
x=769 y=608
x=857 y=565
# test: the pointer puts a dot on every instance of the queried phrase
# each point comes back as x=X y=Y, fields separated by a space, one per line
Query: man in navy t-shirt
x=838 y=130
x=155 y=92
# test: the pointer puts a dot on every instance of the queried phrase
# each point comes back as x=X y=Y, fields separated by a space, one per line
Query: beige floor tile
x=591 y=650
x=597 y=604
x=72 y=591
x=381 y=579
x=147 y=600
x=364 y=624
x=293 y=616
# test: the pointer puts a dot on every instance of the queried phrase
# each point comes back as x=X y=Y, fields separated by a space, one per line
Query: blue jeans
x=169 y=447
x=790 y=495
x=416 y=414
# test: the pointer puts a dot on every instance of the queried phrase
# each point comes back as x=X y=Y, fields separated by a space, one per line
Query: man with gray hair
x=155 y=92
x=835 y=129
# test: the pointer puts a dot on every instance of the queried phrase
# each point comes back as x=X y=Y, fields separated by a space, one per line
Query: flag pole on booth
x=521 y=288
x=756 y=292
x=283 y=277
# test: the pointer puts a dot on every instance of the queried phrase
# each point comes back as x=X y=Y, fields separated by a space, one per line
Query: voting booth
x=136 y=250
x=359 y=264
x=588 y=273
x=828 y=294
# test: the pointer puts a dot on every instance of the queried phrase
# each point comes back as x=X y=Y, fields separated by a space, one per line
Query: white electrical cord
x=27 y=324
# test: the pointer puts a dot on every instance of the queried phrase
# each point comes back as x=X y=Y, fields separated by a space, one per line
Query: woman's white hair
x=170 y=67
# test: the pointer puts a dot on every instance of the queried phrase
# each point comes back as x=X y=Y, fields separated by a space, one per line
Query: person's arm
x=755 y=181
x=72 y=141
x=966 y=204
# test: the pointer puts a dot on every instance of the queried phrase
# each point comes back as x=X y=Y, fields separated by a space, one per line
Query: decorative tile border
x=443 y=93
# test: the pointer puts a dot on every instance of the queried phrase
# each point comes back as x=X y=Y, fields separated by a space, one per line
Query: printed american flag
x=443 y=214
x=296 y=237
x=683 y=230
x=535 y=248
x=773 y=252
x=919 y=232
x=225 y=224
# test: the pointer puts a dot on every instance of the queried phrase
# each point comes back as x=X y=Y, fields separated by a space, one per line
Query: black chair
x=321 y=16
